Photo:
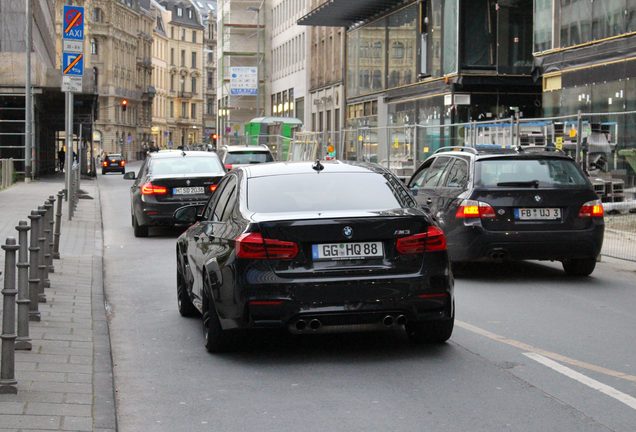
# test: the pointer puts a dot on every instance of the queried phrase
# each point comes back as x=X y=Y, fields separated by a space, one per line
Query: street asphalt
x=533 y=350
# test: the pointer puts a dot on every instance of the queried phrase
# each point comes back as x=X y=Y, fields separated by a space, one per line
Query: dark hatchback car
x=114 y=162
x=313 y=248
x=498 y=204
x=168 y=180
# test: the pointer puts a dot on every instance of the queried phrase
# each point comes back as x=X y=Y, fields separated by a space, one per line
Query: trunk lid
x=185 y=188
x=366 y=243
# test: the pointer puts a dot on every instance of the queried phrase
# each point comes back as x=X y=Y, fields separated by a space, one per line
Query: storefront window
x=514 y=37
x=451 y=9
x=428 y=130
x=576 y=22
x=402 y=34
x=542 y=25
x=608 y=18
x=479 y=31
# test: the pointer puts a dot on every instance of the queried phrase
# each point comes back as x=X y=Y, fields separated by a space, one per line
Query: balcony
x=144 y=62
x=184 y=94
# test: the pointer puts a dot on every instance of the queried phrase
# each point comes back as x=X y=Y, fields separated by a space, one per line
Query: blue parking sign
x=72 y=64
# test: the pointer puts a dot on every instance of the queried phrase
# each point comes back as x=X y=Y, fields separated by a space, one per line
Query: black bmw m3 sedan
x=313 y=247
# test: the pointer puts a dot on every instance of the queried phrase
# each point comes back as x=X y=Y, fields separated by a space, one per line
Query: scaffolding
x=242 y=44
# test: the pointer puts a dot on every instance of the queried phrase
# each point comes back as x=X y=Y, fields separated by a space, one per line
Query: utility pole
x=28 y=100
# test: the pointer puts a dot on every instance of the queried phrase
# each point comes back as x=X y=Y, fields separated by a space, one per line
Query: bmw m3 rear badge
x=347 y=231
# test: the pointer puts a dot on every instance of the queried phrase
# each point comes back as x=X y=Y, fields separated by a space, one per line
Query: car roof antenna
x=317 y=166
x=183 y=153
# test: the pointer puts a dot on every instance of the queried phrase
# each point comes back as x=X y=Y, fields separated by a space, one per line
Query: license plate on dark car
x=537 y=213
x=192 y=190
x=347 y=251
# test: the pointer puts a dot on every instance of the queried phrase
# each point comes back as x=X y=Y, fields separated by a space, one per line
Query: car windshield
x=186 y=165
x=325 y=192
x=248 y=157
x=515 y=172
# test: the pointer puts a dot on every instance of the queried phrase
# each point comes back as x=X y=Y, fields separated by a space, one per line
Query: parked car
x=170 y=179
x=114 y=162
x=313 y=247
x=512 y=204
x=234 y=156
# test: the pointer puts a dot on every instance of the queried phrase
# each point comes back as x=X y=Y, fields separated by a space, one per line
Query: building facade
x=326 y=78
x=45 y=81
x=289 y=60
x=432 y=64
x=119 y=37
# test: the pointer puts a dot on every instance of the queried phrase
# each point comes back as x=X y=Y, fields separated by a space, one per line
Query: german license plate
x=192 y=190
x=347 y=251
x=537 y=213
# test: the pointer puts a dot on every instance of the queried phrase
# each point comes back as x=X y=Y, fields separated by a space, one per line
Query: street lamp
x=258 y=57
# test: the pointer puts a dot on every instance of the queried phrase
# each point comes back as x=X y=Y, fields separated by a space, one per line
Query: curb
x=104 y=407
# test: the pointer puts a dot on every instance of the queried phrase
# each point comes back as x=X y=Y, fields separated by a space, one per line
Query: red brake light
x=474 y=209
x=592 y=209
x=150 y=189
x=254 y=246
x=105 y=163
x=228 y=166
x=213 y=188
x=430 y=241
x=122 y=163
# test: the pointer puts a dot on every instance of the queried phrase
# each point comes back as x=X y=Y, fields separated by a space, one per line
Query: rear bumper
x=342 y=304
x=113 y=169
x=155 y=213
x=474 y=243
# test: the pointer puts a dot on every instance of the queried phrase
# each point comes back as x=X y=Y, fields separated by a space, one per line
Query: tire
x=579 y=267
x=217 y=340
x=103 y=172
x=184 y=303
x=430 y=332
x=140 y=230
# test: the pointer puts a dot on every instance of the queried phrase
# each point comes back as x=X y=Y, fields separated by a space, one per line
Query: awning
x=345 y=13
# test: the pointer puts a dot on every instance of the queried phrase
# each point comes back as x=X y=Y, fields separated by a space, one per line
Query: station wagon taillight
x=592 y=209
x=150 y=189
x=213 y=187
x=471 y=209
x=228 y=167
x=430 y=241
x=254 y=246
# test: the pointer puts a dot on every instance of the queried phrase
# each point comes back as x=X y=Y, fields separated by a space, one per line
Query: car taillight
x=228 y=166
x=592 y=209
x=122 y=163
x=105 y=163
x=150 y=189
x=430 y=241
x=254 y=246
x=213 y=188
x=474 y=209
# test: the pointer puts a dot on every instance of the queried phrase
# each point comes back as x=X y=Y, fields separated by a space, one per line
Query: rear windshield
x=248 y=156
x=114 y=156
x=508 y=172
x=326 y=192
x=187 y=165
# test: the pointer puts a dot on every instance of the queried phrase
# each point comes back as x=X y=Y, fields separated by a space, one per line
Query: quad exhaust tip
x=301 y=325
x=388 y=320
x=314 y=324
x=401 y=320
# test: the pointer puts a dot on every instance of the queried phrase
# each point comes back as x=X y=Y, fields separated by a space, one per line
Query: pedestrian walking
x=61 y=158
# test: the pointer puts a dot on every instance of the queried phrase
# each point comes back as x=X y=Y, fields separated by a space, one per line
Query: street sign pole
x=28 y=101
x=68 y=99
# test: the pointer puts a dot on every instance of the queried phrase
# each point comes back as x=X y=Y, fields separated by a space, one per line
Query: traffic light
x=215 y=137
x=124 y=104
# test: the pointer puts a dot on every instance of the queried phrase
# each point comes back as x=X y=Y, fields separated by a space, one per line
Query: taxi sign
x=73 y=23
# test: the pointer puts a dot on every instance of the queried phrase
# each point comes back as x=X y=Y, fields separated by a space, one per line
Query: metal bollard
x=46 y=232
x=23 y=342
x=8 y=383
x=58 y=221
x=41 y=244
x=51 y=229
x=34 y=271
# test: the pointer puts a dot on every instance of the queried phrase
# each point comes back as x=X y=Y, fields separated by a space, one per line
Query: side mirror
x=130 y=175
x=187 y=215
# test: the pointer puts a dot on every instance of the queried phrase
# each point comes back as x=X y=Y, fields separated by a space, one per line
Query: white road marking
x=583 y=379
x=554 y=356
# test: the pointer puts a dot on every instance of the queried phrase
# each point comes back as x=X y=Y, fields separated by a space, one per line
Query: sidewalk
x=65 y=383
